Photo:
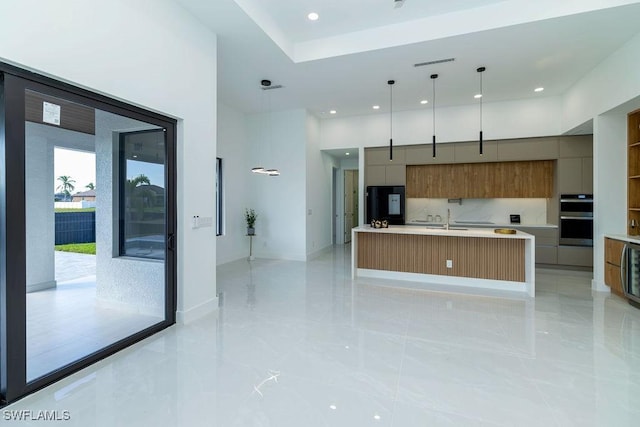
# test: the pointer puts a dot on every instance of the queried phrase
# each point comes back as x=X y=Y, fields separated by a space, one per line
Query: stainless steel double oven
x=576 y=219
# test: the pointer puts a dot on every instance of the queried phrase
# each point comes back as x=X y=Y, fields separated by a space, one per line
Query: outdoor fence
x=75 y=227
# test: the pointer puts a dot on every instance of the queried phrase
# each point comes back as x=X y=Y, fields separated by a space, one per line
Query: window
x=218 y=196
x=142 y=194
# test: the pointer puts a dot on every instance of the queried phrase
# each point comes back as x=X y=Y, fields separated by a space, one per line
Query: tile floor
x=65 y=324
x=301 y=344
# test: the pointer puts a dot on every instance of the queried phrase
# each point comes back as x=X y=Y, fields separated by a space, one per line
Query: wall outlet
x=449 y=263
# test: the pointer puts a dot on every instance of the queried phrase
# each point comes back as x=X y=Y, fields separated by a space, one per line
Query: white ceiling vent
x=398 y=3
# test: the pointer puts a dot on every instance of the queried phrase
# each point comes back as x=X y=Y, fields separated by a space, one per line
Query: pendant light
x=266 y=85
x=433 y=141
x=480 y=71
x=391 y=83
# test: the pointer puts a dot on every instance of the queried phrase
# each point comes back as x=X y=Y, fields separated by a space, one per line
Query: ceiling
x=343 y=60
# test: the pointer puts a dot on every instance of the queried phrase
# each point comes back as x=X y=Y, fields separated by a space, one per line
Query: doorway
x=88 y=259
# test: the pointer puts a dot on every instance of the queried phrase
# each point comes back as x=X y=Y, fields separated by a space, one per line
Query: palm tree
x=138 y=180
x=90 y=186
x=136 y=199
x=66 y=185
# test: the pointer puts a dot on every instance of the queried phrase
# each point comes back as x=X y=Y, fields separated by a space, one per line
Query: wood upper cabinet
x=612 y=254
x=530 y=179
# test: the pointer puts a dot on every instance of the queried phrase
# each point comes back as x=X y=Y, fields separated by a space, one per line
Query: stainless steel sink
x=442 y=227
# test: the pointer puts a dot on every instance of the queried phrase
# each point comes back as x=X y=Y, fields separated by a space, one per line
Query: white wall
x=234 y=151
x=612 y=83
x=39 y=214
x=319 y=191
x=606 y=95
x=122 y=283
x=151 y=53
x=502 y=120
x=609 y=185
x=278 y=140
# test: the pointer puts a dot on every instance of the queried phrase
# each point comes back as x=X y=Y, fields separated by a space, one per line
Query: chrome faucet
x=446 y=227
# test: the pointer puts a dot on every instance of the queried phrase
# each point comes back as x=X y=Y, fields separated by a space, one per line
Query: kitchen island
x=469 y=257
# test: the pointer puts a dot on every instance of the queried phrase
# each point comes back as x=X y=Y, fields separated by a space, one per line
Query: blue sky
x=81 y=167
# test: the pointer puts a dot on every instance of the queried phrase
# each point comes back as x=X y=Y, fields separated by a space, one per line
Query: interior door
x=88 y=236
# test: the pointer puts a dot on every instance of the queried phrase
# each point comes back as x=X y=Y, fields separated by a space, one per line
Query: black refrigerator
x=386 y=202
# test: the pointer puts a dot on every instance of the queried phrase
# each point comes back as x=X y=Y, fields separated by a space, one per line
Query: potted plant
x=250 y=216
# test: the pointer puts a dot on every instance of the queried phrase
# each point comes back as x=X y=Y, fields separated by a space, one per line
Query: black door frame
x=13 y=383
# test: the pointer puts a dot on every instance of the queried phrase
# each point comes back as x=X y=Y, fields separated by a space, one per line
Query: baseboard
x=599 y=286
x=232 y=258
x=184 y=317
x=50 y=284
x=316 y=254
x=281 y=256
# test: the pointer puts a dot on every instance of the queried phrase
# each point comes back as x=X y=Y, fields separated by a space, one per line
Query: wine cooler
x=630 y=272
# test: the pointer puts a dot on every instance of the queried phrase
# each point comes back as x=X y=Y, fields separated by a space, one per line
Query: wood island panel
x=473 y=257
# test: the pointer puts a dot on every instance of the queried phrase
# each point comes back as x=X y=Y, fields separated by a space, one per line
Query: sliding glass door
x=89 y=224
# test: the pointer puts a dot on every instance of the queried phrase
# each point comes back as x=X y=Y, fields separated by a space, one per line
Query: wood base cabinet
x=612 y=257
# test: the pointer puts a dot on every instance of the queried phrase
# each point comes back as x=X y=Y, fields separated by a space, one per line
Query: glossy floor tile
x=301 y=344
x=66 y=323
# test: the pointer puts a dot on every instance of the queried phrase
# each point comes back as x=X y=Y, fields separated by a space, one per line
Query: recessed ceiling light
x=376 y=107
x=313 y=16
x=346 y=154
x=538 y=89
x=376 y=417
x=332 y=112
x=477 y=96
x=334 y=407
x=424 y=101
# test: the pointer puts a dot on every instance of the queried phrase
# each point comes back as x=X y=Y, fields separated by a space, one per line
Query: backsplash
x=532 y=211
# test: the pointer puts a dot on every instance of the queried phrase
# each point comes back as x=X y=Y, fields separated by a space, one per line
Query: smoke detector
x=398 y=3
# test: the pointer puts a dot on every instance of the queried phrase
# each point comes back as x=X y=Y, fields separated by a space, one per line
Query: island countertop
x=452 y=231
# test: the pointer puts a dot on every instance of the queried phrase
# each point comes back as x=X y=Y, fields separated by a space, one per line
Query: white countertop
x=624 y=237
x=506 y=225
x=459 y=232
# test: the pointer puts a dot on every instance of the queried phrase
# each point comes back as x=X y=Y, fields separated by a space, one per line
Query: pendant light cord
x=434 y=104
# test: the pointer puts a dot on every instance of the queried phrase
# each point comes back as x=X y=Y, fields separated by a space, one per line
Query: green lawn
x=75 y=210
x=80 y=248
